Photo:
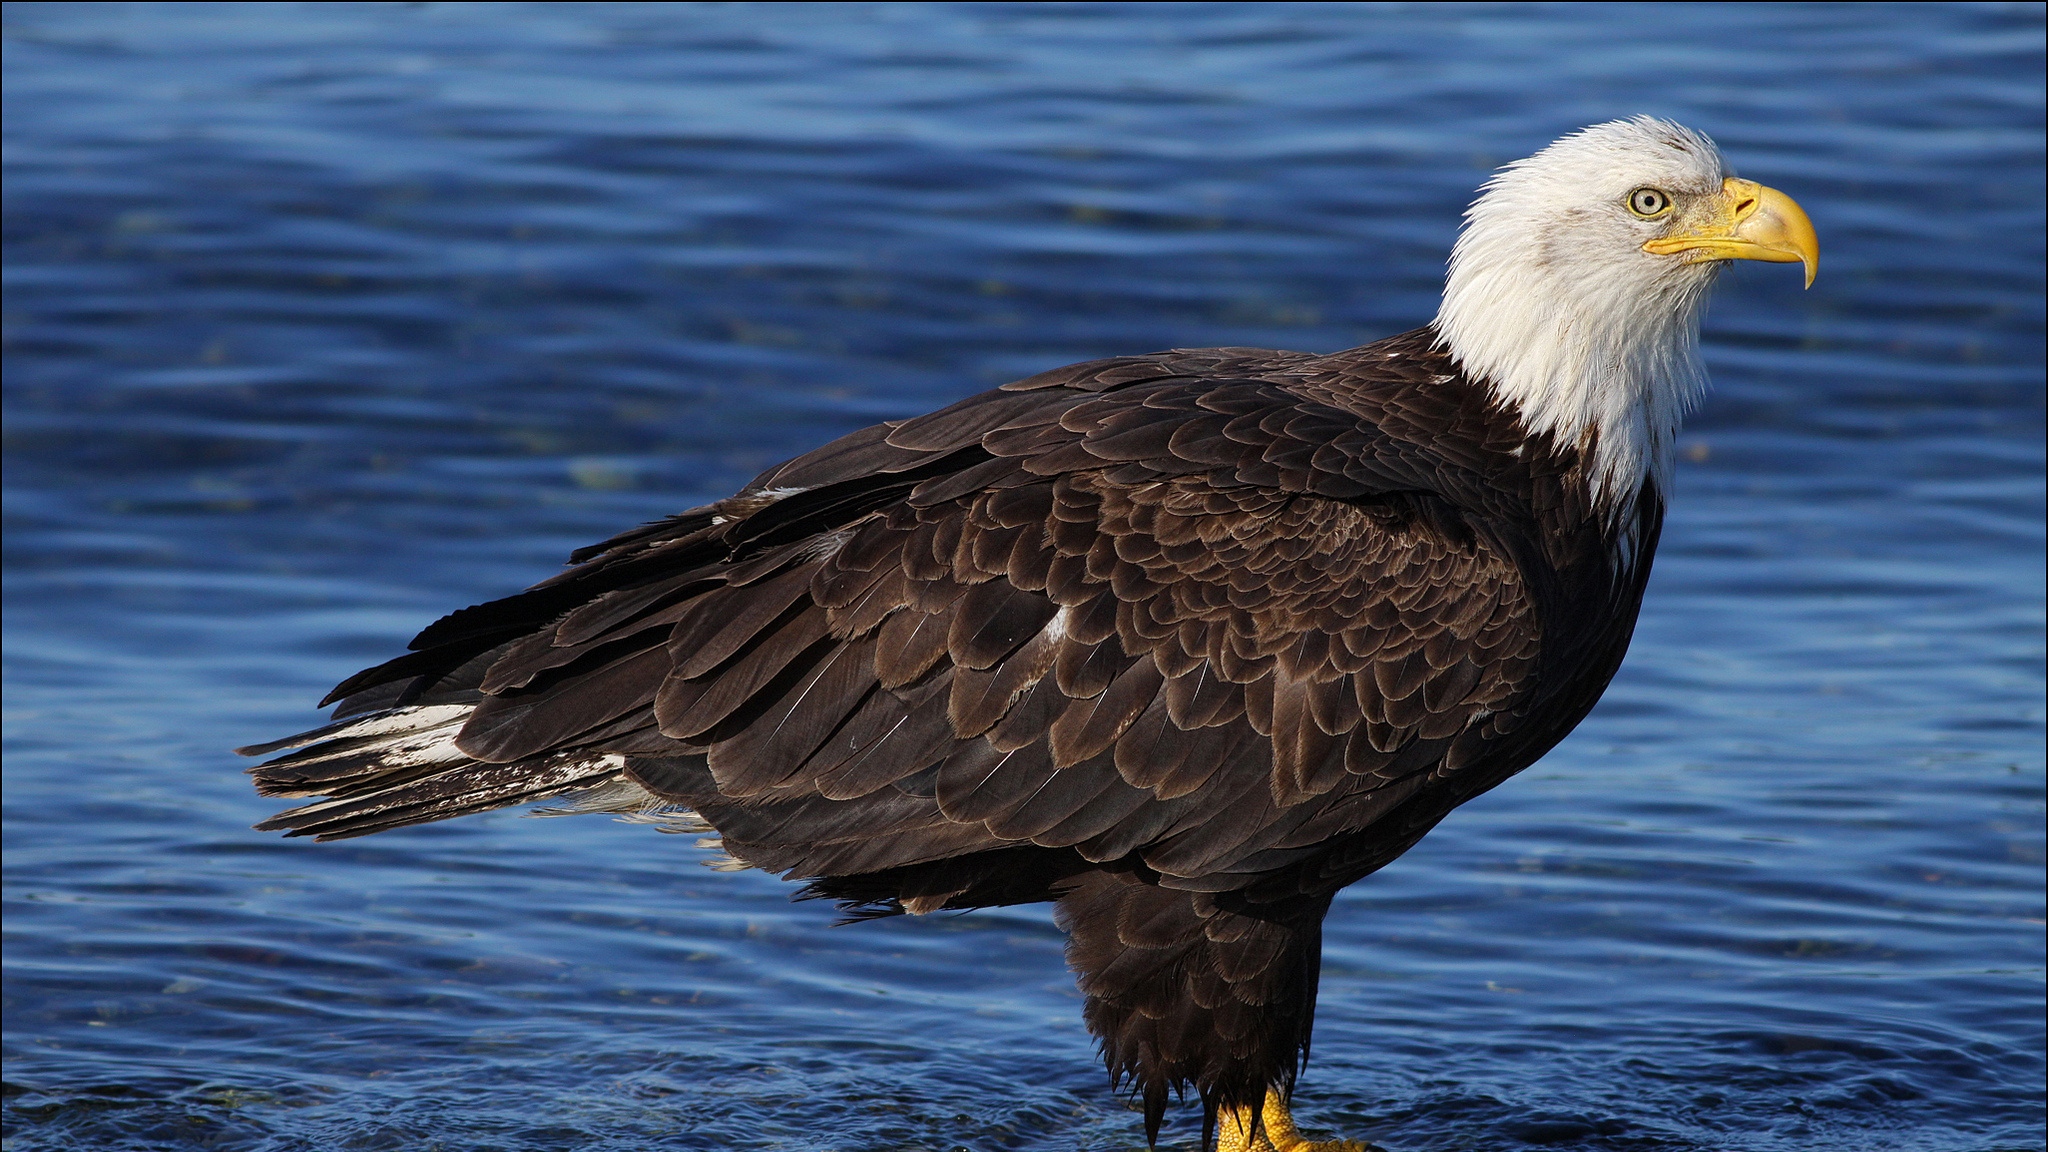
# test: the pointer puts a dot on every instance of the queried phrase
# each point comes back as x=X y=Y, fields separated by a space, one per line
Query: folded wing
x=1175 y=609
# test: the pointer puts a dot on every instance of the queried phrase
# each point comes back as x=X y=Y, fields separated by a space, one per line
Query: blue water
x=322 y=320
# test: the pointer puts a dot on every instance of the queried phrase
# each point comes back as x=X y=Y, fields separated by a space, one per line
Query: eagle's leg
x=1209 y=990
x=1275 y=1131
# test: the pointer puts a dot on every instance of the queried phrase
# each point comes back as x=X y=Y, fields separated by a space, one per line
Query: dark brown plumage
x=1184 y=642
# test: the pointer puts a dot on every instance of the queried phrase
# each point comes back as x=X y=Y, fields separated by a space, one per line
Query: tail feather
x=400 y=766
x=388 y=722
x=460 y=790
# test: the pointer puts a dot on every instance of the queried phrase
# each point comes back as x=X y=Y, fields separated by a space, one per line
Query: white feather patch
x=629 y=803
x=1056 y=628
x=825 y=545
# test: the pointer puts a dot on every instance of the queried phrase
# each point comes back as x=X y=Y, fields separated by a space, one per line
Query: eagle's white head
x=1576 y=286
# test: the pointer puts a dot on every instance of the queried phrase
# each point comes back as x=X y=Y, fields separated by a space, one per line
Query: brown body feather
x=1184 y=642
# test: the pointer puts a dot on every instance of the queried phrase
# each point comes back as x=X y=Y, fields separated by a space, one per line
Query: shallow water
x=323 y=320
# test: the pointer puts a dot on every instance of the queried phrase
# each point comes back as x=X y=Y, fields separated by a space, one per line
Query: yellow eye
x=1649 y=203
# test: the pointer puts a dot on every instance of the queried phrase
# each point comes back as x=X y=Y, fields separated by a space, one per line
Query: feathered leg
x=1201 y=989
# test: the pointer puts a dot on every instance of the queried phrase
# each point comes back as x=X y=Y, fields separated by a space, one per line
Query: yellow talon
x=1277 y=1131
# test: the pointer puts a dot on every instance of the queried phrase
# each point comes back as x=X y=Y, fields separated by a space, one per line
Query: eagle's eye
x=1649 y=203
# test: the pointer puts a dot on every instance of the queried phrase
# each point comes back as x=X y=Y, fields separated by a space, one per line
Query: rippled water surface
x=323 y=320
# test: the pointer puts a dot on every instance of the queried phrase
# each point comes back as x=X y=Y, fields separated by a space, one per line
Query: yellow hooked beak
x=1748 y=222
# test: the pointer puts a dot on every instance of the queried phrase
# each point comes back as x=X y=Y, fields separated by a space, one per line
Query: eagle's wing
x=1144 y=606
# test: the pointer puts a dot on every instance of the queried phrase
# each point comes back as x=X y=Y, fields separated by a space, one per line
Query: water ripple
x=323 y=319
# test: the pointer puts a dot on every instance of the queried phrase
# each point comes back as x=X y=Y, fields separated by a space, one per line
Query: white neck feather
x=1595 y=368
x=1551 y=301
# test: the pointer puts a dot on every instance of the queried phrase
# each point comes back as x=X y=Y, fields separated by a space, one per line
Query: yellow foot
x=1276 y=1133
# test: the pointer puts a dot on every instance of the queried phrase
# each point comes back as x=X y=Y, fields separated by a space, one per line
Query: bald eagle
x=1183 y=643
